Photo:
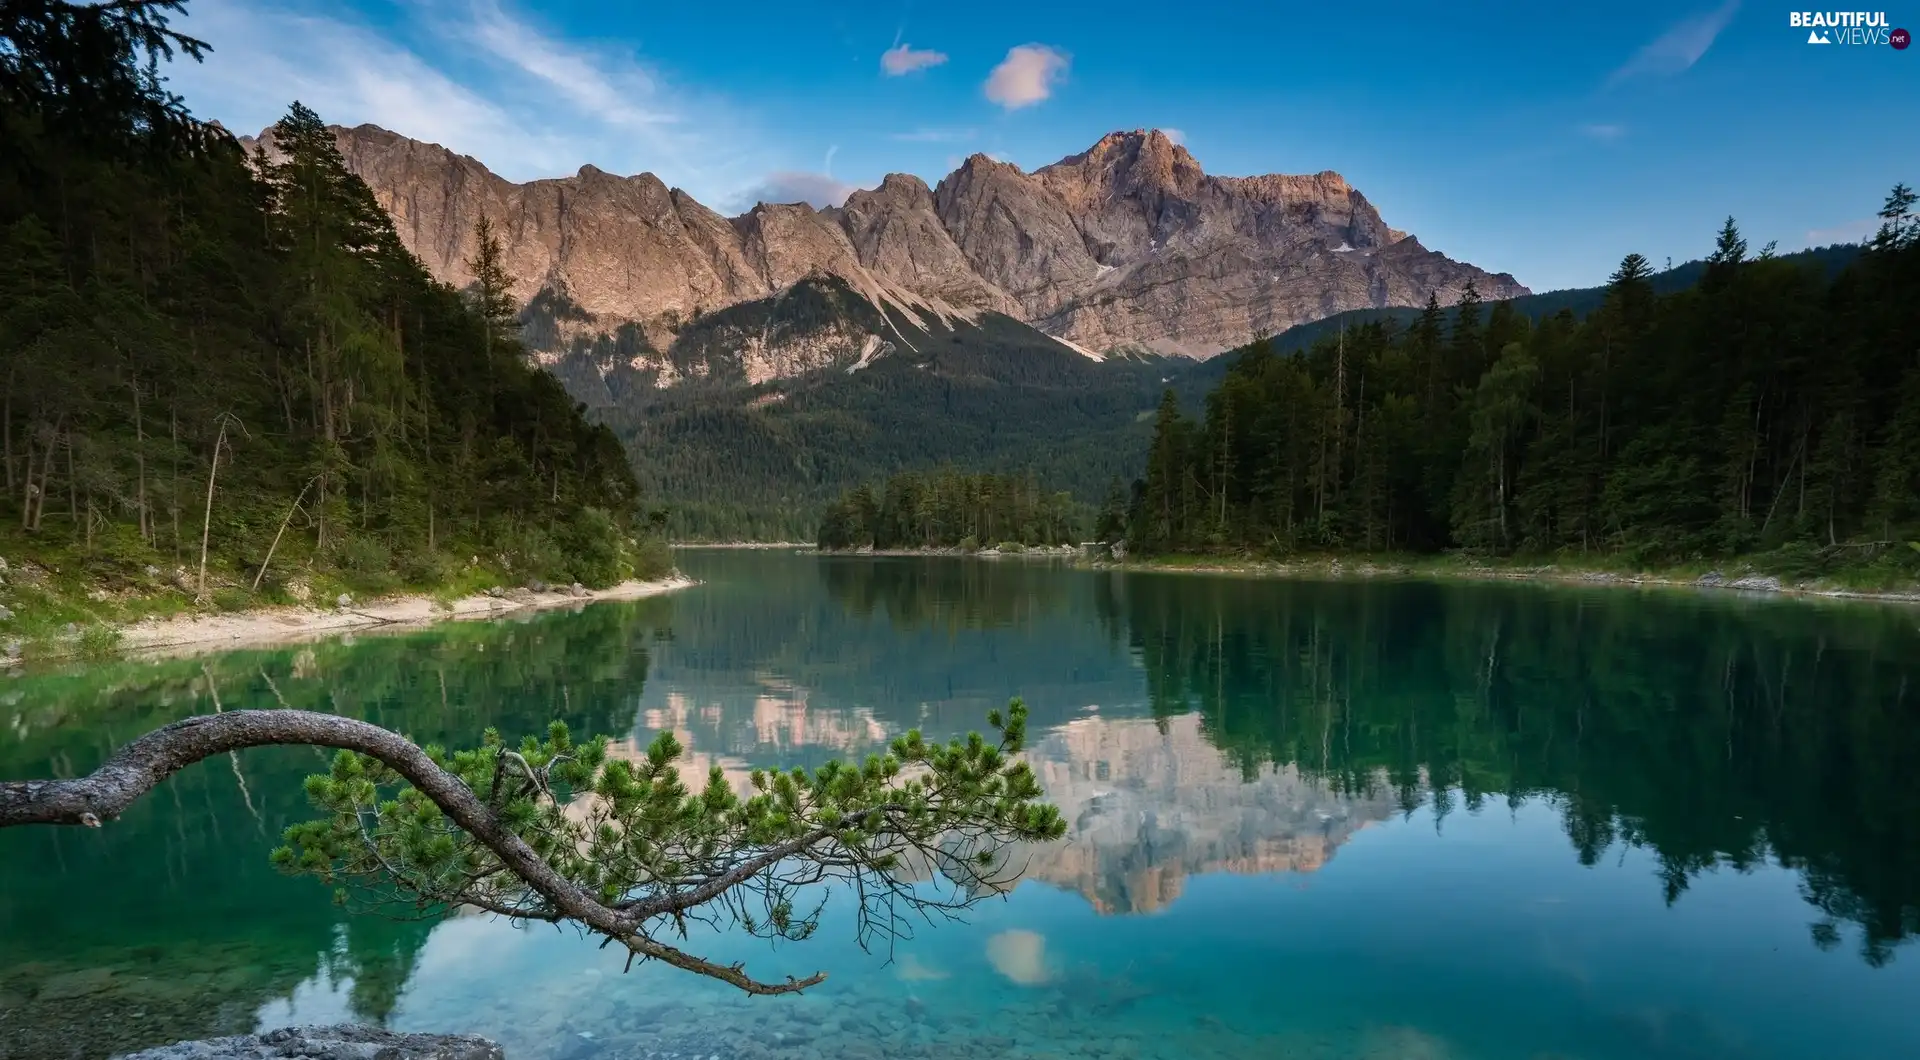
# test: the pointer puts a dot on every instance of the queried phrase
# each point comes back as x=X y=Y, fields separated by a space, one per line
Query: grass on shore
x=63 y=598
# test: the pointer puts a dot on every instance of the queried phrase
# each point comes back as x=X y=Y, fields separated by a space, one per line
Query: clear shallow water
x=1309 y=820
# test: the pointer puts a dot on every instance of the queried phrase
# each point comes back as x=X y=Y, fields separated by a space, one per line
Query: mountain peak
x=903 y=184
x=981 y=161
x=1150 y=143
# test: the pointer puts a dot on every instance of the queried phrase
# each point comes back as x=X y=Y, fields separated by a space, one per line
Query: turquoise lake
x=1399 y=820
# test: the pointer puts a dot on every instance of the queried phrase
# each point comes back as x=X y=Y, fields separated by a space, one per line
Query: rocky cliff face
x=1128 y=244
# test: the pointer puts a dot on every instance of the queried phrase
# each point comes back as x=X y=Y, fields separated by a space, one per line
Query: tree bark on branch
x=142 y=765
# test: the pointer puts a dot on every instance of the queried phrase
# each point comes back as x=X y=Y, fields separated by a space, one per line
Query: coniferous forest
x=1769 y=409
x=948 y=508
x=212 y=361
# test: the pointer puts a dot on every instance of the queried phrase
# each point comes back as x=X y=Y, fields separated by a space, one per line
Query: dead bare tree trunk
x=291 y=508
x=6 y=426
x=26 y=493
x=46 y=475
x=73 y=484
x=173 y=479
x=140 y=462
x=206 y=520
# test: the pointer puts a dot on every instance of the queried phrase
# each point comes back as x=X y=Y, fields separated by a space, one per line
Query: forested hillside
x=1772 y=407
x=949 y=508
x=207 y=361
x=760 y=462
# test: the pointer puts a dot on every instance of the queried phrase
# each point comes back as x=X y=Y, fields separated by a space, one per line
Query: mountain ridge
x=1126 y=245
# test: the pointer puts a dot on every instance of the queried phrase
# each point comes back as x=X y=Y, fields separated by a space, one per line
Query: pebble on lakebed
x=329 y=1043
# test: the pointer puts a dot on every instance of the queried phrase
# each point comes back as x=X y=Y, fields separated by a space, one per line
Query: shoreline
x=742 y=545
x=1740 y=580
x=260 y=627
x=1548 y=574
x=1026 y=552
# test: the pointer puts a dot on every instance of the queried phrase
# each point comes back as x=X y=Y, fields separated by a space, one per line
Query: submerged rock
x=329 y=1043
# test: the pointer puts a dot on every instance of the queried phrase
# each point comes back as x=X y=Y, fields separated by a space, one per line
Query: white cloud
x=469 y=75
x=936 y=136
x=1847 y=232
x=1176 y=135
x=1027 y=75
x=902 y=59
x=818 y=190
x=1603 y=131
x=1676 y=50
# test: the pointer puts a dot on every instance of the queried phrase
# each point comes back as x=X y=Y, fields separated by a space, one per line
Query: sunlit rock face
x=1126 y=245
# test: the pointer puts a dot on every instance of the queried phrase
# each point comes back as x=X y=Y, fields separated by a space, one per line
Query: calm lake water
x=1384 y=820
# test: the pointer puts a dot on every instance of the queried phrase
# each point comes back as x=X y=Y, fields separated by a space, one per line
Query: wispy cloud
x=1176 y=135
x=619 y=91
x=470 y=75
x=1676 y=50
x=264 y=59
x=1605 y=131
x=1847 y=232
x=903 y=59
x=935 y=136
x=1027 y=75
x=819 y=190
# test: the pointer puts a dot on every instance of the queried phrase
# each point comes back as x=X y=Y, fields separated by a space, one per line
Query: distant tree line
x=206 y=354
x=1770 y=408
x=950 y=508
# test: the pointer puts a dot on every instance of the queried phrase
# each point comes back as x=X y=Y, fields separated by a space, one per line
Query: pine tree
x=1729 y=252
x=492 y=289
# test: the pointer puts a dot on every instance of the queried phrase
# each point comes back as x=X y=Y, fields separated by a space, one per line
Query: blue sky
x=1546 y=143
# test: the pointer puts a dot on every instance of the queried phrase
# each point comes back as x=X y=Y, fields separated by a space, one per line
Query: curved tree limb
x=142 y=765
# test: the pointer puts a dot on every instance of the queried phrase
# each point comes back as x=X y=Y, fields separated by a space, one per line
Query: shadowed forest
x=1772 y=409
x=225 y=375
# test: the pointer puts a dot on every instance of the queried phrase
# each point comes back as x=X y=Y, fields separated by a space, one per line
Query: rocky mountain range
x=1128 y=245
